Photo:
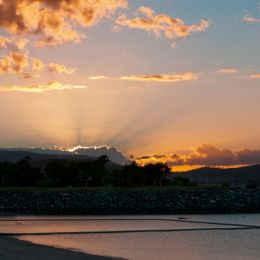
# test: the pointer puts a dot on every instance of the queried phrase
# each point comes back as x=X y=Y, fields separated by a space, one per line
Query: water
x=212 y=237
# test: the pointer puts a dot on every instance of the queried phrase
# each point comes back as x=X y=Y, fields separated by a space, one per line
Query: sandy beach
x=11 y=248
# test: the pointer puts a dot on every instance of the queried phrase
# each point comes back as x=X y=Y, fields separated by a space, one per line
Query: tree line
x=85 y=173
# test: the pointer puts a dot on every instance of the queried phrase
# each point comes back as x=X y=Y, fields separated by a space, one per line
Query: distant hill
x=207 y=175
x=114 y=155
x=211 y=175
x=15 y=155
x=41 y=159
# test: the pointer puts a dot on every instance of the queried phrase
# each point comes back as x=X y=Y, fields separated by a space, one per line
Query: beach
x=12 y=248
x=135 y=237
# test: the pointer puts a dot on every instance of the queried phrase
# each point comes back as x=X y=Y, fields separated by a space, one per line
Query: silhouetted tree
x=81 y=173
x=129 y=176
x=181 y=181
x=92 y=173
x=62 y=173
x=20 y=174
x=155 y=174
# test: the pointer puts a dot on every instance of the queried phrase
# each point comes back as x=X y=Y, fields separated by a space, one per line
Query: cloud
x=171 y=159
x=21 y=43
x=46 y=23
x=12 y=43
x=160 y=25
x=205 y=155
x=14 y=59
x=40 y=88
x=60 y=68
x=52 y=21
x=4 y=41
x=97 y=77
x=210 y=155
x=228 y=71
x=18 y=62
x=247 y=156
x=14 y=63
x=37 y=65
x=96 y=151
x=255 y=76
x=163 y=77
x=251 y=19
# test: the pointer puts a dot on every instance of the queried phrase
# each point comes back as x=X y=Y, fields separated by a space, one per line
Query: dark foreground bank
x=12 y=249
x=164 y=201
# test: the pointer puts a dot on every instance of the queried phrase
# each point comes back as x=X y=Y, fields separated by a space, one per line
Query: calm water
x=195 y=237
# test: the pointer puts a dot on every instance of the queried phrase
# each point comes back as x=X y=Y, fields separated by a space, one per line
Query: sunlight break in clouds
x=205 y=155
x=163 y=77
x=40 y=88
x=95 y=151
x=161 y=24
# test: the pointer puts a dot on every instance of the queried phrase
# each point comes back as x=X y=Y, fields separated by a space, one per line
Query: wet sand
x=12 y=249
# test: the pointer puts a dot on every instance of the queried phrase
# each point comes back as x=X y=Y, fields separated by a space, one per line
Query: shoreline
x=14 y=248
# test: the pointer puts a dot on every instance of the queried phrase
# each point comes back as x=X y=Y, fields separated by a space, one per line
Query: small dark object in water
x=182 y=218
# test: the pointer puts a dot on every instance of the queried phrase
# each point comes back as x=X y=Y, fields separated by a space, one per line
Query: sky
x=173 y=80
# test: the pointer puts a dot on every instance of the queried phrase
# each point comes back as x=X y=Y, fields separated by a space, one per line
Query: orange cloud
x=228 y=71
x=21 y=43
x=14 y=44
x=207 y=154
x=60 y=68
x=17 y=62
x=41 y=88
x=97 y=77
x=163 y=77
x=204 y=155
x=161 y=24
x=255 y=76
x=14 y=59
x=54 y=21
x=46 y=22
x=4 y=42
x=37 y=65
x=20 y=61
x=14 y=63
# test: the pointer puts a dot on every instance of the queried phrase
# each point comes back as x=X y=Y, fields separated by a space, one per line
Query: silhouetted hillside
x=41 y=160
x=114 y=155
x=212 y=175
x=13 y=156
x=117 y=175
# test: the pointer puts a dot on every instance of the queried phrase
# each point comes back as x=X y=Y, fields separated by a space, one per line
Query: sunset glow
x=160 y=81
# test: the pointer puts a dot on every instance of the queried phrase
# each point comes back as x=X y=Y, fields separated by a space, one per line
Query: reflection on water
x=22 y=226
x=198 y=244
